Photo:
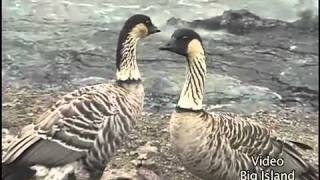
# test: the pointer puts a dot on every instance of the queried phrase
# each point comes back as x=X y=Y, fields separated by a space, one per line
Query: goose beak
x=168 y=47
x=153 y=29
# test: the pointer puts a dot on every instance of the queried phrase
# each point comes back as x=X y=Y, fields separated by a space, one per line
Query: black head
x=138 y=25
x=142 y=24
x=182 y=42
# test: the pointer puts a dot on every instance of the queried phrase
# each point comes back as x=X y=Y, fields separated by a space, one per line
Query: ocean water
x=114 y=10
x=43 y=40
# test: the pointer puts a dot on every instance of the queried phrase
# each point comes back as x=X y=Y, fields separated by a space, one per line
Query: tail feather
x=11 y=172
x=19 y=146
x=301 y=145
x=303 y=170
x=311 y=174
x=29 y=150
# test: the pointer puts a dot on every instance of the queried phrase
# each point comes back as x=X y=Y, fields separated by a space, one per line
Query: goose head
x=139 y=26
x=185 y=42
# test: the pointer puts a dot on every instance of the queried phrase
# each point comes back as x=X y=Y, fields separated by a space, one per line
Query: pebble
x=143 y=156
x=140 y=141
x=121 y=150
x=116 y=174
x=147 y=149
x=164 y=130
x=286 y=121
x=136 y=162
x=148 y=174
x=5 y=132
x=133 y=153
x=181 y=168
x=132 y=136
x=132 y=145
x=41 y=171
x=150 y=164
x=6 y=139
x=154 y=143
x=8 y=105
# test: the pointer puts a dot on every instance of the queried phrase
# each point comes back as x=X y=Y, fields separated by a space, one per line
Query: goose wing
x=249 y=140
x=68 y=129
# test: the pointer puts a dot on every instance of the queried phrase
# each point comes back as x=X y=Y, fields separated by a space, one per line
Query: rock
x=8 y=104
x=133 y=153
x=7 y=138
x=181 y=168
x=234 y=21
x=4 y=132
x=148 y=174
x=132 y=136
x=130 y=174
x=58 y=173
x=147 y=148
x=118 y=174
x=140 y=141
x=122 y=150
x=42 y=171
x=154 y=143
x=164 y=130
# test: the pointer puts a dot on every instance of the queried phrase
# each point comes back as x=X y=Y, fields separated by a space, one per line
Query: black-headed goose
x=223 y=146
x=87 y=124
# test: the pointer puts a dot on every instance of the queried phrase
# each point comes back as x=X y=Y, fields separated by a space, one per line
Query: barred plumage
x=218 y=146
x=87 y=124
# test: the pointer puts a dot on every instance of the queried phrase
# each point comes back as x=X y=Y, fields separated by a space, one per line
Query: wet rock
x=308 y=21
x=242 y=22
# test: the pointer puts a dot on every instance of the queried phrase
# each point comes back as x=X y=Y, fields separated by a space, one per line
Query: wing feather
x=250 y=139
x=73 y=122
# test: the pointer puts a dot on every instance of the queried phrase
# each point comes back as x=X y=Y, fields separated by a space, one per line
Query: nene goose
x=88 y=124
x=222 y=146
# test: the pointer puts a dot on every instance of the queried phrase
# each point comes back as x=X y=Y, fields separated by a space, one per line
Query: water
x=46 y=45
x=111 y=10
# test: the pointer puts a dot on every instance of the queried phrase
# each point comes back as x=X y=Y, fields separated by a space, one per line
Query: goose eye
x=184 y=37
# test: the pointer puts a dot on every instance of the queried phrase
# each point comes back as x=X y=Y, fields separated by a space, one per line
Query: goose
x=88 y=124
x=224 y=146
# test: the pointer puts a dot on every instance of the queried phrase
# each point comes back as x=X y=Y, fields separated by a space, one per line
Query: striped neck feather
x=191 y=96
x=127 y=69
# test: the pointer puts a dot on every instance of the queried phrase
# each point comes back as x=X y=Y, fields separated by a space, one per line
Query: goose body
x=88 y=124
x=223 y=146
